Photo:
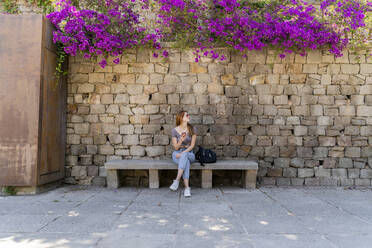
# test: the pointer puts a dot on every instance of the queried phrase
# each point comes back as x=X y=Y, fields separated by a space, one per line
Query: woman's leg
x=176 y=160
x=189 y=158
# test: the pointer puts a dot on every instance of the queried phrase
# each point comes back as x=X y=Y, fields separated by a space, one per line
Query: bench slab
x=112 y=167
x=138 y=164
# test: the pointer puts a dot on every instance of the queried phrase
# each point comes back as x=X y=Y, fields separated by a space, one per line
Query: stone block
x=327 y=141
x=312 y=181
x=339 y=173
x=153 y=151
x=362 y=182
x=345 y=163
x=106 y=149
x=85 y=88
x=179 y=67
x=304 y=152
x=197 y=68
x=282 y=162
x=157 y=79
x=353 y=173
x=81 y=128
x=174 y=99
x=139 y=99
x=158 y=98
x=305 y=172
x=142 y=79
x=300 y=130
x=274 y=172
x=109 y=128
x=265 y=99
x=130 y=139
x=366 y=69
x=289 y=172
x=310 y=68
x=115 y=139
x=352 y=152
x=188 y=99
x=233 y=91
x=257 y=79
x=364 y=111
x=301 y=110
x=322 y=172
x=161 y=140
x=350 y=68
x=228 y=79
x=137 y=150
x=281 y=100
x=366 y=173
x=324 y=121
x=134 y=89
x=121 y=98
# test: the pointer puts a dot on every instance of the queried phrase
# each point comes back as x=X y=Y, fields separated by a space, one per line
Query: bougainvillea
x=290 y=25
x=108 y=28
x=351 y=17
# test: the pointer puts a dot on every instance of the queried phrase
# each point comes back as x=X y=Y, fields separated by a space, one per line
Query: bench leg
x=249 y=179
x=153 y=178
x=206 y=179
x=113 y=179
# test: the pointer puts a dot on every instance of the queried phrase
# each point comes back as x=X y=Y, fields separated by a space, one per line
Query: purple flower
x=293 y=25
x=103 y=30
x=103 y=63
x=116 y=61
x=165 y=53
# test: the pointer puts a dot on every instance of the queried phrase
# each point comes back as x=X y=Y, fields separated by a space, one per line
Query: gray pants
x=184 y=161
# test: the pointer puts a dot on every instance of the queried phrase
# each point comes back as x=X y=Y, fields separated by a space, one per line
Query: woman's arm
x=193 y=140
x=177 y=145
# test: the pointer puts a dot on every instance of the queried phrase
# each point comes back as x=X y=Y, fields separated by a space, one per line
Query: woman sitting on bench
x=183 y=141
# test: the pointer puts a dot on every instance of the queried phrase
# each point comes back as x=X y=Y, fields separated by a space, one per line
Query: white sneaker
x=187 y=192
x=174 y=185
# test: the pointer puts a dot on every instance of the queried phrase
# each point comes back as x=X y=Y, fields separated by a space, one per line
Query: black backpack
x=205 y=156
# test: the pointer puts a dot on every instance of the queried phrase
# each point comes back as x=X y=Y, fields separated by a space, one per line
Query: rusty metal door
x=32 y=116
x=52 y=115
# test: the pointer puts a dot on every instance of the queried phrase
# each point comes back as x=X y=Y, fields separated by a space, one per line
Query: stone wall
x=307 y=120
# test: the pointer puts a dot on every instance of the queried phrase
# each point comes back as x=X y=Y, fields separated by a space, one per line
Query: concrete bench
x=249 y=168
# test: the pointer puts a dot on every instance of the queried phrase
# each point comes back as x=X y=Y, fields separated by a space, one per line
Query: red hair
x=179 y=120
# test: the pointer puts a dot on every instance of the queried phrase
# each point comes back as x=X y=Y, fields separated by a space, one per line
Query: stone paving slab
x=273 y=224
x=75 y=222
x=351 y=240
x=147 y=222
x=100 y=207
x=89 y=216
x=207 y=241
x=36 y=208
x=291 y=241
x=213 y=224
x=24 y=223
x=49 y=240
x=120 y=239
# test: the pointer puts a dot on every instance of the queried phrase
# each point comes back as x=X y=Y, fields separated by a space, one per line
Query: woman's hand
x=183 y=136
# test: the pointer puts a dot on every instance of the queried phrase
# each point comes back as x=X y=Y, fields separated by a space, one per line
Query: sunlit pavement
x=87 y=216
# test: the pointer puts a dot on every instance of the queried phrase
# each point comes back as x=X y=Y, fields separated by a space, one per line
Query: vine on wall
x=109 y=27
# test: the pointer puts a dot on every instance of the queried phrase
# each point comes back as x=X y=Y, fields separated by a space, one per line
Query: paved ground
x=80 y=216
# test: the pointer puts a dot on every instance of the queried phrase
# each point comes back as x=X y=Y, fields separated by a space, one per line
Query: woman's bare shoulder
x=174 y=131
